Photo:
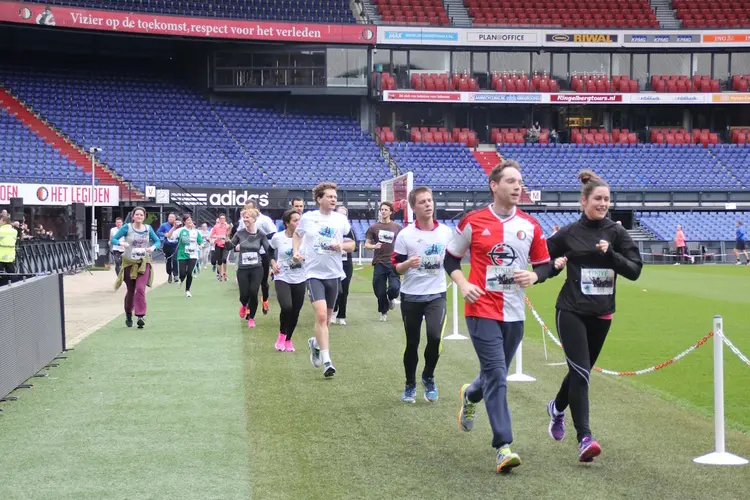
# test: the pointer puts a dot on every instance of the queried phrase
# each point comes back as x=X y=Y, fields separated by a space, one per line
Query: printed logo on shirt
x=289 y=261
x=324 y=242
x=503 y=254
x=521 y=235
x=486 y=232
x=432 y=262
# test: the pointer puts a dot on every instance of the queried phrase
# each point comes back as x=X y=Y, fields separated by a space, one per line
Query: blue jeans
x=495 y=343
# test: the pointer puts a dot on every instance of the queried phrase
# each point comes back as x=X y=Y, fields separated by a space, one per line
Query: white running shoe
x=314 y=353
x=383 y=318
x=342 y=322
x=392 y=304
x=188 y=294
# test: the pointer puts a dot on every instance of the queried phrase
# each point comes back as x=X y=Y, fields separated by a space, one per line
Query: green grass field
x=196 y=406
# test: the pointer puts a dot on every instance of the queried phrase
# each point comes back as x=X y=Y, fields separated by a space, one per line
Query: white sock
x=325 y=356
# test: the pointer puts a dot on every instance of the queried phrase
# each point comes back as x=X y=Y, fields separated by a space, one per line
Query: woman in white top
x=289 y=279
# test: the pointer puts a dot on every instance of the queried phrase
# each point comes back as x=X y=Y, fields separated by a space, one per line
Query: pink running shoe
x=288 y=346
x=243 y=311
x=251 y=323
x=280 y=346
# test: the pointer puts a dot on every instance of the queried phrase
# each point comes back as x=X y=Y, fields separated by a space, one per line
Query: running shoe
x=506 y=459
x=288 y=346
x=314 y=353
x=383 y=318
x=225 y=277
x=265 y=307
x=169 y=279
x=556 y=427
x=468 y=411
x=342 y=321
x=243 y=311
x=329 y=370
x=188 y=294
x=280 y=342
x=141 y=323
x=588 y=449
x=129 y=320
x=430 y=390
x=250 y=323
x=410 y=394
x=392 y=304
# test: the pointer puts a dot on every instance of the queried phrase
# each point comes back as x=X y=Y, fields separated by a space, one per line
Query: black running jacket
x=589 y=289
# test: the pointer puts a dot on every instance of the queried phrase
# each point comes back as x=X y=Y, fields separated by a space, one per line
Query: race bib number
x=192 y=249
x=597 y=281
x=323 y=245
x=385 y=236
x=249 y=258
x=431 y=264
x=500 y=279
x=138 y=253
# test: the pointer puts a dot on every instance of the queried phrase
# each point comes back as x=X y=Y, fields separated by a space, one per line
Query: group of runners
x=311 y=254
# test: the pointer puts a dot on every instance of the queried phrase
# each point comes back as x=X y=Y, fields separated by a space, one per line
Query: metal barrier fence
x=41 y=257
x=32 y=328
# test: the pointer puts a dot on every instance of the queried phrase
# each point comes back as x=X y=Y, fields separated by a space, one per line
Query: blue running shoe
x=588 y=449
x=468 y=411
x=556 y=427
x=430 y=390
x=410 y=393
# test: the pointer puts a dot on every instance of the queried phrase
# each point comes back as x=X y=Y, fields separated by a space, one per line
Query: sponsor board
x=567 y=98
x=163 y=24
x=60 y=194
x=661 y=98
x=637 y=39
x=504 y=97
x=231 y=198
x=585 y=98
x=498 y=37
x=422 y=96
x=726 y=38
x=582 y=38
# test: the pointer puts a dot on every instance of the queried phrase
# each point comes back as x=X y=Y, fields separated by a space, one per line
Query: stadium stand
x=739 y=135
x=601 y=136
x=601 y=83
x=152 y=131
x=565 y=13
x=427 y=12
x=440 y=166
x=636 y=167
x=293 y=149
x=684 y=83
x=674 y=136
x=707 y=14
x=741 y=83
x=25 y=157
x=321 y=11
x=698 y=226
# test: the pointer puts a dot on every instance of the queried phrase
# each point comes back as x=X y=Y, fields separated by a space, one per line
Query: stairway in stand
x=56 y=139
x=489 y=160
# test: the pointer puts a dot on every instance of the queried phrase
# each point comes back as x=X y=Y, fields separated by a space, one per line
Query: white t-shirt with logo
x=429 y=278
x=112 y=233
x=289 y=271
x=318 y=233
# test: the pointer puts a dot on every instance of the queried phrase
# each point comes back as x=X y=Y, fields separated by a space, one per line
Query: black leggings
x=248 y=279
x=582 y=338
x=434 y=317
x=266 y=261
x=343 y=297
x=291 y=298
x=186 y=272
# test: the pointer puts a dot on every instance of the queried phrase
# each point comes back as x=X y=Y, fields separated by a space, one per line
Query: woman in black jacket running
x=595 y=250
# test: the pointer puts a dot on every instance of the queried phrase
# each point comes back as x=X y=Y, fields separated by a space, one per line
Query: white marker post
x=455 y=335
x=720 y=456
x=519 y=376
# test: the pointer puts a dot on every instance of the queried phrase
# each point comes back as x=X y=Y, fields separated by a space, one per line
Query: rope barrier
x=734 y=349
x=643 y=371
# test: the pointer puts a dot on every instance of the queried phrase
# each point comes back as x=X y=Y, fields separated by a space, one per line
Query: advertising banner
x=163 y=24
x=566 y=97
x=231 y=197
x=60 y=194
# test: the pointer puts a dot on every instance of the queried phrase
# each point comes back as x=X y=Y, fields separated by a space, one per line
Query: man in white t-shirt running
x=418 y=254
x=319 y=240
